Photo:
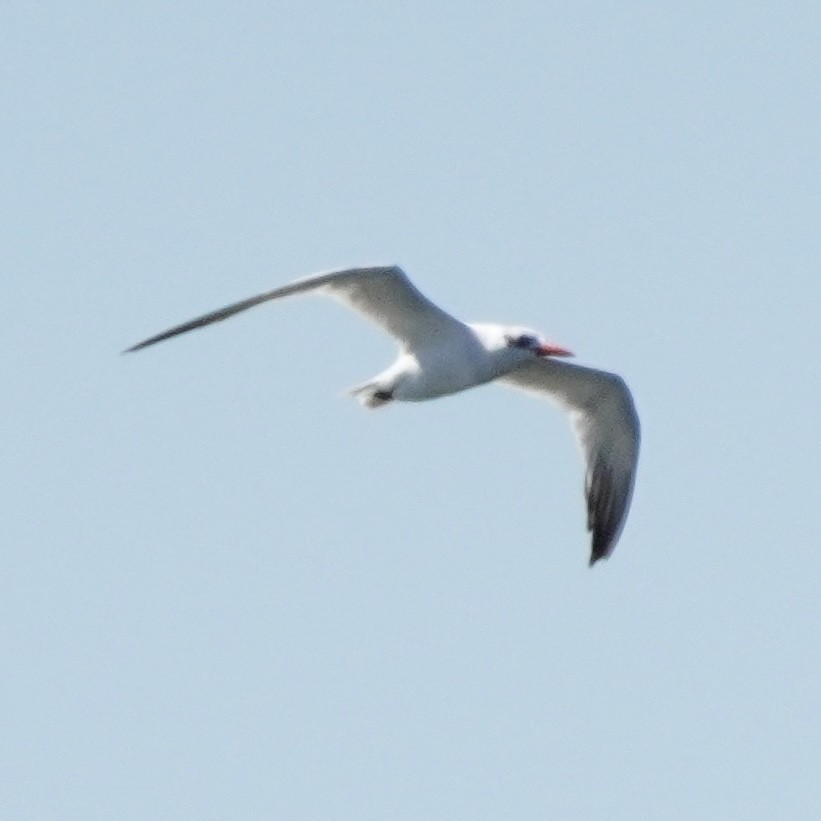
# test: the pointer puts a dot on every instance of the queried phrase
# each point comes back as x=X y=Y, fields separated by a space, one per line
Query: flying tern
x=440 y=355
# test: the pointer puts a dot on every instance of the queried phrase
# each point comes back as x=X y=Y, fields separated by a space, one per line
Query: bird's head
x=532 y=344
x=509 y=347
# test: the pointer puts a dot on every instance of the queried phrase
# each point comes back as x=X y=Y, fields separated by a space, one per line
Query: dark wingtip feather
x=599 y=550
x=200 y=322
x=604 y=512
x=140 y=345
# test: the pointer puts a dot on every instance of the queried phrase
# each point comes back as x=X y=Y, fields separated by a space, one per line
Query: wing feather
x=383 y=294
x=607 y=428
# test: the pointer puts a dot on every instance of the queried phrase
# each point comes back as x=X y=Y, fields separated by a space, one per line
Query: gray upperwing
x=383 y=294
x=607 y=428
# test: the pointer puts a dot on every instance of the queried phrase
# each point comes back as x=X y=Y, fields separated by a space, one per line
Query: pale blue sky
x=228 y=591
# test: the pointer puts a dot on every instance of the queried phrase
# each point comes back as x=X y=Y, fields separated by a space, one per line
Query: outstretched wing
x=383 y=294
x=607 y=428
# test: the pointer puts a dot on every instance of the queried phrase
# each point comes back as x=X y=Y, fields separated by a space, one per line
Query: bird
x=441 y=355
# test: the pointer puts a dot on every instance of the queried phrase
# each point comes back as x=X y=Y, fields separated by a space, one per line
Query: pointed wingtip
x=597 y=553
x=138 y=347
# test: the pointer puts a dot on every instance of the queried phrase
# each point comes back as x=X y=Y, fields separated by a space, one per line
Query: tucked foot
x=370 y=396
x=378 y=398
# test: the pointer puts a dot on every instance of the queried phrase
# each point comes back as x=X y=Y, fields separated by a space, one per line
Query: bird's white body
x=471 y=356
x=439 y=355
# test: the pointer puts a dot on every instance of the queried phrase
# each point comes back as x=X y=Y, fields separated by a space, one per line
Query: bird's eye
x=523 y=341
